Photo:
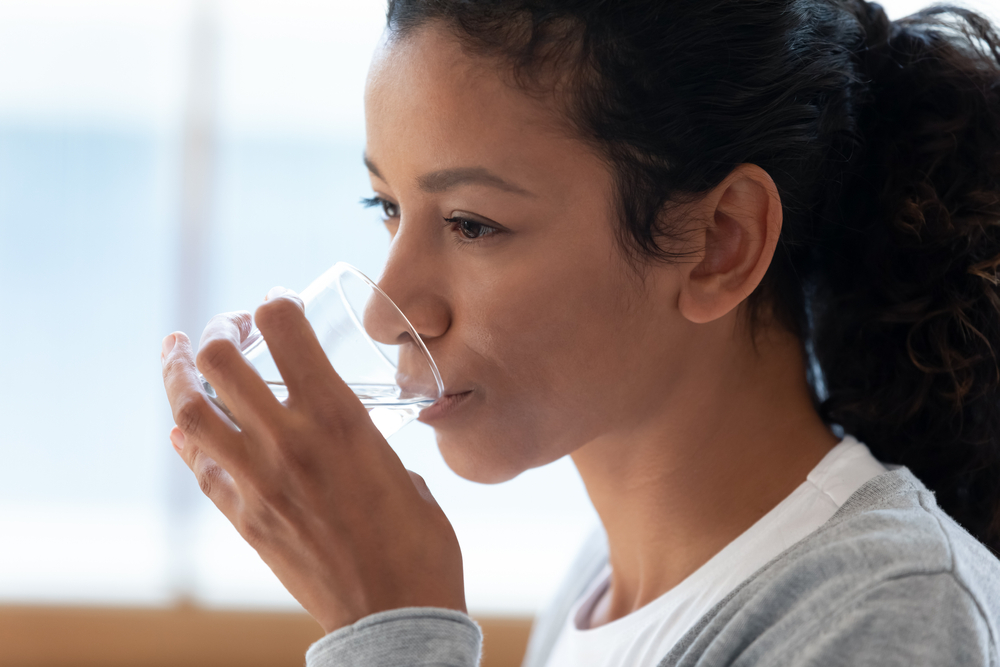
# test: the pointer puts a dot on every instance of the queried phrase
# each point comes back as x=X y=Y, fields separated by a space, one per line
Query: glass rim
x=334 y=273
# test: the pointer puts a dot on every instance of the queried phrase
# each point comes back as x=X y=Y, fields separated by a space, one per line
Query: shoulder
x=890 y=579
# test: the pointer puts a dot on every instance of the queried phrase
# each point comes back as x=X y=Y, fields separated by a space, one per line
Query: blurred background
x=162 y=161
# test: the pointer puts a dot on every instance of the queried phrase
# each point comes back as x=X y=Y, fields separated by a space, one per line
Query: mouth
x=443 y=406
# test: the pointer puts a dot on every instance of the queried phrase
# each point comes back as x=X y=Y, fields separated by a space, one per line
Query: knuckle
x=297 y=464
x=215 y=354
x=277 y=495
x=336 y=425
x=172 y=366
x=252 y=530
x=270 y=490
x=190 y=414
x=210 y=477
x=292 y=458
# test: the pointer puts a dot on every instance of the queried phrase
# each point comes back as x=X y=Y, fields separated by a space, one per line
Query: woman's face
x=504 y=257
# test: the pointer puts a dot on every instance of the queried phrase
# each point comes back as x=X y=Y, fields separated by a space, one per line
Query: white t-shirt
x=644 y=637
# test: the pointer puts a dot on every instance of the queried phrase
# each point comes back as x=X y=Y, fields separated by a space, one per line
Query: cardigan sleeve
x=414 y=637
x=927 y=619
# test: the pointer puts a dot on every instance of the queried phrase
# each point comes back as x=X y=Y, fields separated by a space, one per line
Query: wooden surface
x=189 y=636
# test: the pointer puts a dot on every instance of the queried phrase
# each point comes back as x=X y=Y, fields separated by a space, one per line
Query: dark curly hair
x=883 y=139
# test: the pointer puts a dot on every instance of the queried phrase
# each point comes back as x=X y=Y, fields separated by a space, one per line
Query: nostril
x=404 y=338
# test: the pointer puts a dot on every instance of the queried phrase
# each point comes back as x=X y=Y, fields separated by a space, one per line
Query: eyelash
x=459 y=224
x=373 y=202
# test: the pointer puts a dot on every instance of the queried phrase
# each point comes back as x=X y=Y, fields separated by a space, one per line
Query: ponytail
x=883 y=139
x=907 y=329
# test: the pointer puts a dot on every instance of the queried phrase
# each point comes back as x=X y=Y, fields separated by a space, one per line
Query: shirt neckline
x=826 y=477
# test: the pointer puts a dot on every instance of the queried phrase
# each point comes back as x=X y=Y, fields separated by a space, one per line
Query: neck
x=675 y=489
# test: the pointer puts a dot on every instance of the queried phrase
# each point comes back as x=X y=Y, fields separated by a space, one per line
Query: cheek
x=546 y=349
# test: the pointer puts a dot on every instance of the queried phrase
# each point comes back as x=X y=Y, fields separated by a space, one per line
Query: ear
x=743 y=216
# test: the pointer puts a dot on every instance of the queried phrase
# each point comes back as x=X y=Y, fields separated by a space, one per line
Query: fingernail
x=275 y=292
x=168 y=344
x=177 y=439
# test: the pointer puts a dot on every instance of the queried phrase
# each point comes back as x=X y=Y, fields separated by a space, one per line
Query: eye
x=471 y=229
x=389 y=209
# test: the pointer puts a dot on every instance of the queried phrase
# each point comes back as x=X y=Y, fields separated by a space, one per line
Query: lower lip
x=444 y=406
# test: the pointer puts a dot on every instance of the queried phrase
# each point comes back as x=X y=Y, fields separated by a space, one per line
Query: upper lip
x=442 y=403
x=454 y=392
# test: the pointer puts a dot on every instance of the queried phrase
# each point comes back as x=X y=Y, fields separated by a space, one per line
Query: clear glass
x=371 y=344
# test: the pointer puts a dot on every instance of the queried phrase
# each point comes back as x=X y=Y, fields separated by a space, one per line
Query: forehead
x=427 y=94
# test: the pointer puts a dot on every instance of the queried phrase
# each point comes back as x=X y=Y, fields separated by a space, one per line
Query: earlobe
x=743 y=221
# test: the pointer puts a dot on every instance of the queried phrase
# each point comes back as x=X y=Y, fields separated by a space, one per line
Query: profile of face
x=504 y=255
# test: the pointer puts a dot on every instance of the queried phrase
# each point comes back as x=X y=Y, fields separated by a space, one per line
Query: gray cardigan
x=890 y=579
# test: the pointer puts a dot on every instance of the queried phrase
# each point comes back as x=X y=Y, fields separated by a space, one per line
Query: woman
x=685 y=243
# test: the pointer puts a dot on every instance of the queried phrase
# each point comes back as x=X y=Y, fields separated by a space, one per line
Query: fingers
x=296 y=351
x=214 y=481
x=235 y=326
x=232 y=376
x=201 y=422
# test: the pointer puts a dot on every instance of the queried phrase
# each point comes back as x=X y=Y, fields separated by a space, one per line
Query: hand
x=309 y=483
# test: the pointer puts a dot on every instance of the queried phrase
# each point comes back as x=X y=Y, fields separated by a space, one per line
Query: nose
x=414 y=278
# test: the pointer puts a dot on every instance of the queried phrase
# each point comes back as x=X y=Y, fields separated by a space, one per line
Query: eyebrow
x=445 y=179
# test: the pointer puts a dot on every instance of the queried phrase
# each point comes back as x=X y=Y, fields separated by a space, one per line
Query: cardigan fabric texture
x=889 y=580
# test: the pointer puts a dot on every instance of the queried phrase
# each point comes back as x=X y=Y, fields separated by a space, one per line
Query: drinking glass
x=371 y=344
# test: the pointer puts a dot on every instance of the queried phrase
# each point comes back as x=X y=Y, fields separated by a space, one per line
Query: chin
x=483 y=460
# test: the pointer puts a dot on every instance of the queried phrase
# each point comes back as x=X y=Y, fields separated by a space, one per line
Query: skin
x=685 y=428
